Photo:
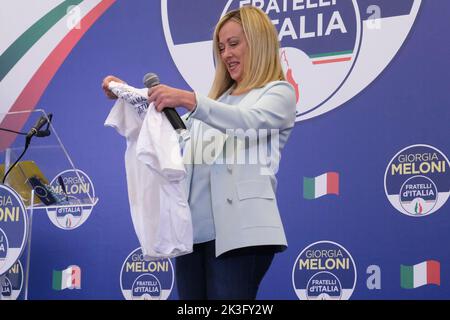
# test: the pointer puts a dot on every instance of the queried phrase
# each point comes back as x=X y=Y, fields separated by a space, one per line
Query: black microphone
x=42 y=121
x=46 y=132
x=150 y=80
x=34 y=131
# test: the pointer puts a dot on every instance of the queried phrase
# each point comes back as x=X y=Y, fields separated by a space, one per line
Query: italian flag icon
x=69 y=278
x=327 y=183
x=421 y=274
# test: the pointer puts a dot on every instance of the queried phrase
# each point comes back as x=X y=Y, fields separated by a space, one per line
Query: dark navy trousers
x=233 y=275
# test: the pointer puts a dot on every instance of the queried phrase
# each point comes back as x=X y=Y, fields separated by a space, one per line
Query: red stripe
x=333 y=183
x=332 y=60
x=433 y=272
x=35 y=88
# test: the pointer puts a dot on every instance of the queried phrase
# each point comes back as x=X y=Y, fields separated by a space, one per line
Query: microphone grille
x=150 y=80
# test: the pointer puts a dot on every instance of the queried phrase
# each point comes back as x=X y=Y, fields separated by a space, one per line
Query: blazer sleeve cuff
x=201 y=111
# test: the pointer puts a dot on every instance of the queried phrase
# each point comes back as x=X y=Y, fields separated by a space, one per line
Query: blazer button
x=229 y=200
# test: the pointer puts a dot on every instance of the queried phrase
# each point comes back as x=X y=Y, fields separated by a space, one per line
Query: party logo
x=330 y=50
x=324 y=270
x=417 y=180
x=146 y=280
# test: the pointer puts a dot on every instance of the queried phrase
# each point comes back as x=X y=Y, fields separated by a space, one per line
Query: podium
x=39 y=182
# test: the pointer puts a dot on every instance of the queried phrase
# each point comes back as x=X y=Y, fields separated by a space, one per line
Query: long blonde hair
x=262 y=63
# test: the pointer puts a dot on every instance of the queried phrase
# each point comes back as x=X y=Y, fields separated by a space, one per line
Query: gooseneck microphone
x=150 y=80
x=36 y=129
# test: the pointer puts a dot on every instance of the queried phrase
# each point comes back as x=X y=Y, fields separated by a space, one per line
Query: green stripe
x=308 y=188
x=407 y=277
x=329 y=54
x=26 y=41
x=57 y=279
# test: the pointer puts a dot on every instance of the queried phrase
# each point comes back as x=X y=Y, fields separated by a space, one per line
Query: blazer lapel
x=251 y=95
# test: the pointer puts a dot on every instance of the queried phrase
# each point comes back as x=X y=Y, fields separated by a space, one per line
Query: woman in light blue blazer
x=237 y=225
x=237 y=134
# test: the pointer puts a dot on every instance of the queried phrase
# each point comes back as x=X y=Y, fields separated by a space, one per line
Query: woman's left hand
x=164 y=96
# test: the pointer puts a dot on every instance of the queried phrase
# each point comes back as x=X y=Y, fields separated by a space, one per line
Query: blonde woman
x=236 y=222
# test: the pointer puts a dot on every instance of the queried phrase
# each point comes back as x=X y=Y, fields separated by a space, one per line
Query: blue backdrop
x=406 y=105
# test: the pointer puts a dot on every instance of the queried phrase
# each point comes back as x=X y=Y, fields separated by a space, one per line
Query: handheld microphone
x=150 y=80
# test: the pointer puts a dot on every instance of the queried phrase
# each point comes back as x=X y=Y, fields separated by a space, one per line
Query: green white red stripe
x=32 y=60
x=331 y=57
x=421 y=274
x=25 y=42
x=69 y=278
x=327 y=183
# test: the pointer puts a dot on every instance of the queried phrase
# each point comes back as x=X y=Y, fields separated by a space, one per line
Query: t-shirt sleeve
x=124 y=119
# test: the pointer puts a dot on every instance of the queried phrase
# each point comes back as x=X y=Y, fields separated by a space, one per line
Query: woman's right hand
x=105 y=87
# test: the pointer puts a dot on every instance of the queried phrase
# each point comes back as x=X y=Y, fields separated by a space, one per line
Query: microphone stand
x=43 y=133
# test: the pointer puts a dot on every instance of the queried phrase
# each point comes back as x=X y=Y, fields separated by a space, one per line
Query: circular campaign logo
x=146 y=280
x=417 y=180
x=12 y=282
x=324 y=270
x=79 y=191
x=327 y=48
x=13 y=228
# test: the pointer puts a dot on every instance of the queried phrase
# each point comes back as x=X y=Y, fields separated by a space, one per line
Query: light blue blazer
x=244 y=205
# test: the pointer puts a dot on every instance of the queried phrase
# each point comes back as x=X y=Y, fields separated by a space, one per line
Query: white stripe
x=320 y=185
x=19 y=15
x=66 y=278
x=420 y=274
x=14 y=82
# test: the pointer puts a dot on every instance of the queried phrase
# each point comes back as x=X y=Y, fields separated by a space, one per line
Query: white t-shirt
x=155 y=179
